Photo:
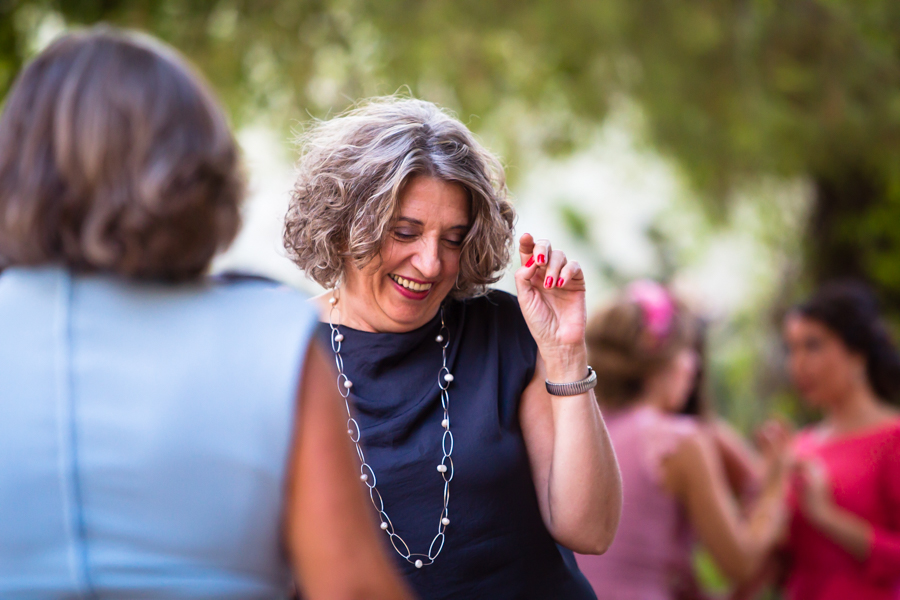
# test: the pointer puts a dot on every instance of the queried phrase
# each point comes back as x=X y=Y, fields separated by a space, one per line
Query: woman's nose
x=428 y=259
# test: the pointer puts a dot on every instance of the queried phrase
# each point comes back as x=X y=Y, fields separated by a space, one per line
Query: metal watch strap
x=575 y=388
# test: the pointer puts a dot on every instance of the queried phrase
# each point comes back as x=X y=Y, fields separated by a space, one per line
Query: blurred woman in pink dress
x=675 y=482
x=844 y=539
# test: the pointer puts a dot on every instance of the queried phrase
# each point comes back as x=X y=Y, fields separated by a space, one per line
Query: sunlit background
x=742 y=151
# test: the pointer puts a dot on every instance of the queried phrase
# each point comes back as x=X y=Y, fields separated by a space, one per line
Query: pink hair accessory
x=656 y=304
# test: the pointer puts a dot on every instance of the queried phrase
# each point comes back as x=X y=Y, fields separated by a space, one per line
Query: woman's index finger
x=526 y=247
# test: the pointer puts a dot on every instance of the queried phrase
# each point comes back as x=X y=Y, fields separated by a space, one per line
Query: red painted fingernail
x=549 y=282
x=541 y=259
x=560 y=281
x=530 y=262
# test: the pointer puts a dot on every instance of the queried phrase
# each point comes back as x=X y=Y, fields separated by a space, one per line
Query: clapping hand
x=773 y=440
x=814 y=488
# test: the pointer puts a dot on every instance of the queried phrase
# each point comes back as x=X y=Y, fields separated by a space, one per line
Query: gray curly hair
x=354 y=167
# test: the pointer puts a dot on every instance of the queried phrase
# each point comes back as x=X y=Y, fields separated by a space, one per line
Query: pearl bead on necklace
x=367 y=475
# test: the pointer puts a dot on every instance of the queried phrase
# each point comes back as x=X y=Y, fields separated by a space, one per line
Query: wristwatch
x=574 y=388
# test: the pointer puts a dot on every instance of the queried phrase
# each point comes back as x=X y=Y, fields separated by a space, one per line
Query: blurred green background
x=743 y=151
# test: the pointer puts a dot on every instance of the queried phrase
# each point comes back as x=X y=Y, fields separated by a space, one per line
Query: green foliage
x=733 y=90
x=708 y=575
x=730 y=88
x=575 y=222
x=10 y=54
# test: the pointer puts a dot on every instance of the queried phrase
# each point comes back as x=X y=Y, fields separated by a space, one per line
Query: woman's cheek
x=452 y=269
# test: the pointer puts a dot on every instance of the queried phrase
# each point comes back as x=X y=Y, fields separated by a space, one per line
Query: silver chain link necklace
x=367 y=475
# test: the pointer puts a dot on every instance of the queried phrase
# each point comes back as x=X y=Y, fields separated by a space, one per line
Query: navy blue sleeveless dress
x=496 y=545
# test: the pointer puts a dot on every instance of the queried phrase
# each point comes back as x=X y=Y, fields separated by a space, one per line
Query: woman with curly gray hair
x=450 y=386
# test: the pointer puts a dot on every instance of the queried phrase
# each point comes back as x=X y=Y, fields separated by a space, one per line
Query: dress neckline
x=878 y=429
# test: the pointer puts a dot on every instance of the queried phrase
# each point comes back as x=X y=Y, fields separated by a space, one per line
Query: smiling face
x=404 y=286
x=821 y=367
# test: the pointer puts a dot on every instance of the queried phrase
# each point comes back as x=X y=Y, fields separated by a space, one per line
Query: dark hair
x=114 y=156
x=624 y=355
x=698 y=403
x=850 y=311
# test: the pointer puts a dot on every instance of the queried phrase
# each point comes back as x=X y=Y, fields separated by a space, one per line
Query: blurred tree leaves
x=575 y=222
x=733 y=89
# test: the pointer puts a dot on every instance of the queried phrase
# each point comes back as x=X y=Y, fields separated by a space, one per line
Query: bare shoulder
x=690 y=462
x=694 y=448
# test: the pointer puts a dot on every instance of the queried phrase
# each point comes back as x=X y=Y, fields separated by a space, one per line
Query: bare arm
x=694 y=473
x=743 y=465
x=573 y=465
x=576 y=476
x=851 y=532
x=330 y=531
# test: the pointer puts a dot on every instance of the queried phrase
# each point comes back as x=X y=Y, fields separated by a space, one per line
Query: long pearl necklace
x=367 y=475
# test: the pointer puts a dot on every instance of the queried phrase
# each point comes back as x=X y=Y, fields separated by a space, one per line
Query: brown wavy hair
x=116 y=157
x=625 y=356
x=353 y=169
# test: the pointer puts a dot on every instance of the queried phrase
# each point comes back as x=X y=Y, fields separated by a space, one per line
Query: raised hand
x=551 y=296
x=773 y=440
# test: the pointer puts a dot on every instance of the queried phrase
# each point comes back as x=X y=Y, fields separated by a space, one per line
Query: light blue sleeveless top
x=145 y=431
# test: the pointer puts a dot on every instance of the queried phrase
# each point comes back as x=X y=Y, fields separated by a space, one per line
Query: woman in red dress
x=844 y=537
